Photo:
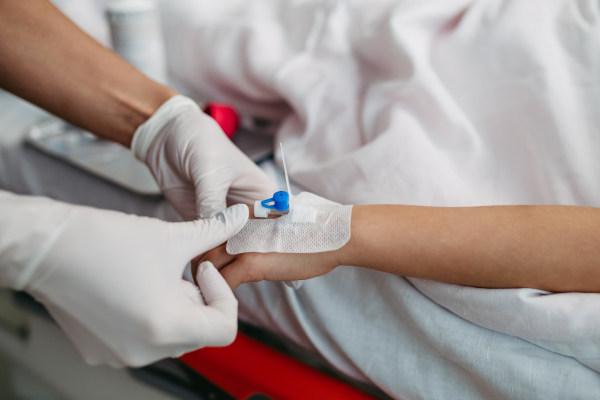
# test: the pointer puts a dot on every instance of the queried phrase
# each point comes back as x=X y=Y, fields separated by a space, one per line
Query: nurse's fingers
x=200 y=236
x=220 y=313
x=215 y=290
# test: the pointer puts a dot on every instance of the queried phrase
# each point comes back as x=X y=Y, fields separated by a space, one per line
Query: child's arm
x=555 y=248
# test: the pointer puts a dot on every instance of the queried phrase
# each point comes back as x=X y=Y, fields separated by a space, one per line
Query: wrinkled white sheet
x=441 y=103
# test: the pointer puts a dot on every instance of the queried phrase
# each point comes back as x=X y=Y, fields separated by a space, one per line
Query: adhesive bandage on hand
x=312 y=225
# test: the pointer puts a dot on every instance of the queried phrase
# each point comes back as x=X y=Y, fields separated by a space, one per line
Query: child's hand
x=255 y=267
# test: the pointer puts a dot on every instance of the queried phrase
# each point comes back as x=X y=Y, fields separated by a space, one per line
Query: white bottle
x=137 y=35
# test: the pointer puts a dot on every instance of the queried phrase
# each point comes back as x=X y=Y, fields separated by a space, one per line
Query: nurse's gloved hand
x=113 y=282
x=196 y=166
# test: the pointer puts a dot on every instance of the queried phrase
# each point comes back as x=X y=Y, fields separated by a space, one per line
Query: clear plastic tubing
x=137 y=35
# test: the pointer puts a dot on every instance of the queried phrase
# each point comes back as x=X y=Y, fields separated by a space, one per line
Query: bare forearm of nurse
x=555 y=248
x=47 y=60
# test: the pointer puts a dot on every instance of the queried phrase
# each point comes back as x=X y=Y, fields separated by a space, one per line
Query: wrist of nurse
x=133 y=109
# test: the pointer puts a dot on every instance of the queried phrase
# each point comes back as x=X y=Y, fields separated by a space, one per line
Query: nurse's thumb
x=205 y=234
x=221 y=310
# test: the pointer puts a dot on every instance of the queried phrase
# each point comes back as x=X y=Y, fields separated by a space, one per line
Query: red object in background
x=225 y=115
x=248 y=367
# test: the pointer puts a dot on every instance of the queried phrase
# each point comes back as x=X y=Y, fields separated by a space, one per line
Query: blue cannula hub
x=280 y=201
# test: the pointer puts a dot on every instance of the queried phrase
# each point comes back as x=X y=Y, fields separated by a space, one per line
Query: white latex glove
x=113 y=281
x=196 y=166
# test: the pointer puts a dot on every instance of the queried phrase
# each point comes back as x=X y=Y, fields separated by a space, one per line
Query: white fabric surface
x=415 y=102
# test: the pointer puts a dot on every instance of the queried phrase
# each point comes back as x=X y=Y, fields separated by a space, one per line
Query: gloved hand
x=113 y=281
x=196 y=166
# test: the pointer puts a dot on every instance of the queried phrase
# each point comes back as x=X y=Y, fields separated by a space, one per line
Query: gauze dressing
x=312 y=225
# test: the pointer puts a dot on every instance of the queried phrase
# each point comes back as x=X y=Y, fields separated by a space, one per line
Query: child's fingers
x=245 y=268
x=232 y=275
x=219 y=257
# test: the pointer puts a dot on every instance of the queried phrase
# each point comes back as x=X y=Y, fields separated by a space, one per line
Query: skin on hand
x=255 y=267
x=553 y=248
